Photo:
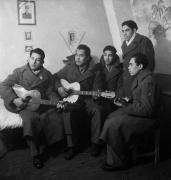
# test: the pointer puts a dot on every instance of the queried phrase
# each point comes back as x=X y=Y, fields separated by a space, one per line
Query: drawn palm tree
x=159 y=23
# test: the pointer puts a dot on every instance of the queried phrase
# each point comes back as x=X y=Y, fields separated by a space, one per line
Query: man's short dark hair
x=131 y=24
x=110 y=48
x=140 y=58
x=85 y=48
x=38 y=51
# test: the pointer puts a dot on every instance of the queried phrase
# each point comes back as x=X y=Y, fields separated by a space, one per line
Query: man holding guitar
x=83 y=70
x=36 y=81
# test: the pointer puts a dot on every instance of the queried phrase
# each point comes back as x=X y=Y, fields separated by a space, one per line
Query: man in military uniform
x=44 y=120
x=134 y=43
x=136 y=115
x=83 y=70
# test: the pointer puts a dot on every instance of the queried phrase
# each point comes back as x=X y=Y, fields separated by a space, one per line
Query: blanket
x=8 y=119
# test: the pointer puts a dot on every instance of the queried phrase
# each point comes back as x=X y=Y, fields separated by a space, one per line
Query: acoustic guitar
x=32 y=100
x=73 y=90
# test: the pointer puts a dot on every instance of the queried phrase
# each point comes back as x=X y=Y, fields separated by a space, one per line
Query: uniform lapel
x=40 y=78
x=127 y=49
x=139 y=78
x=81 y=77
x=134 y=84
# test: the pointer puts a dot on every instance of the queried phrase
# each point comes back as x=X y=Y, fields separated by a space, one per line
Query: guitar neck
x=87 y=93
x=48 y=102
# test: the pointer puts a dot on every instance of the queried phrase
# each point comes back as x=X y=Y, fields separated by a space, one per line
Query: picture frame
x=26 y=12
x=28 y=36
x=28 y=48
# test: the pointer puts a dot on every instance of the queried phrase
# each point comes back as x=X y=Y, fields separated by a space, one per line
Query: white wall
x=52 y=16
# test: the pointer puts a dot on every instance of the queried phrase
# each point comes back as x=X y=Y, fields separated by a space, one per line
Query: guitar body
x=34 y=96
x=71 y=86
x=73 y=90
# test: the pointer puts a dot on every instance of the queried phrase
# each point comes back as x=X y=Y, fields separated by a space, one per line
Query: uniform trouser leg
x=95 y=115
x=31 y=130
x=52 y=125
x=68 y=128
x=112 y=158
x=119 y=132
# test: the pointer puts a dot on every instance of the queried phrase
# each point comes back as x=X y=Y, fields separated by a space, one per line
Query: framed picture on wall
x=28 y=48
x=28 y=36
x=26 y=12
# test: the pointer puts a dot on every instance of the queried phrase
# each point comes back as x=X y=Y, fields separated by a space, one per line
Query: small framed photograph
x=28 y=36
x=26 y=12
x=28 y=48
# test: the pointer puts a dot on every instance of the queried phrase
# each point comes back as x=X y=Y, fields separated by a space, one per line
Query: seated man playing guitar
x=83 y=70
x=36 y=81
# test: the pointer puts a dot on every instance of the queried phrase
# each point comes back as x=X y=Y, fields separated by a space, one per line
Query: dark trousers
x=76 y=123
x=120 y=131
x=40 y=128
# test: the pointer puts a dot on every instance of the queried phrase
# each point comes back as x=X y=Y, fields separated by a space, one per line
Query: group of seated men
x=114 y=122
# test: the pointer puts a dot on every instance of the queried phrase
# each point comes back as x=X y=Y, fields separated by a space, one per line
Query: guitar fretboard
x=48 y=102
x=88 y=93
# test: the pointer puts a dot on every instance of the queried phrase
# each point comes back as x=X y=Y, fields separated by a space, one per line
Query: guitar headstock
x=108 y=94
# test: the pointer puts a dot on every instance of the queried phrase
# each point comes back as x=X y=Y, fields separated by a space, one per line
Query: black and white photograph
x=26 y=12
x=28 y=36
x=28 y=48
x=85 y=89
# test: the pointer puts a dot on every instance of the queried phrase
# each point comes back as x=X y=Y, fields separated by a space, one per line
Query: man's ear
x=88 y=58
x=42 y=61
x=135 y=30
x=140 y=66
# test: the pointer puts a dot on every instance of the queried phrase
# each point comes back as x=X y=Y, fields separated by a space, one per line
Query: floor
x=17 y=165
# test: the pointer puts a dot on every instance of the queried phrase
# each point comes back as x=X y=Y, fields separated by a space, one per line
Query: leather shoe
x=69 y=154
x=37 y=162
x=95 y=150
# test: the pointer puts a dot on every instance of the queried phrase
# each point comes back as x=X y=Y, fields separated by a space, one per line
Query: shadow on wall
x=161 y=38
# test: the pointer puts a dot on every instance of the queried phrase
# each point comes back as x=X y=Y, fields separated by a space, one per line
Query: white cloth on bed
x=8 y=119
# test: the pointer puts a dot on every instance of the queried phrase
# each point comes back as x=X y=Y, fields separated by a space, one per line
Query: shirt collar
x=83 y=68
x=109 y=68
x=132 y=38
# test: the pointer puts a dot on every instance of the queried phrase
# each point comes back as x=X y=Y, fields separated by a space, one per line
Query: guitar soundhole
x=27 y=99
x=70 y=91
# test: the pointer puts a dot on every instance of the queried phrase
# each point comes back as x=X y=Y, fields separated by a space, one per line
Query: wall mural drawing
x=154 y=20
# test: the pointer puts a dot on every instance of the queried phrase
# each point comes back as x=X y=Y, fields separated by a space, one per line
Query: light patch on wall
x=113 y=25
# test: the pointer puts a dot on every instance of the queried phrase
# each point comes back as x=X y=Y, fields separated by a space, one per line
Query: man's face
x=127 y=32
x=80 y=57
x=108 y=57
x=35 y=61
x=133 y=68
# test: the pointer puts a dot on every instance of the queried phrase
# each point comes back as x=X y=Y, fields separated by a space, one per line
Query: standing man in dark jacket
x=34 y=76
x=134 y=43
x=83 y=70
x=134 y=118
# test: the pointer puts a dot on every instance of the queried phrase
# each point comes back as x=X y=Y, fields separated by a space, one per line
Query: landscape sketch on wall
x=154 y=20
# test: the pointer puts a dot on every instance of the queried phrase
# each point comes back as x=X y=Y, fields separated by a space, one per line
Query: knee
x=108 y=123
x=96 y=110
x=32 y=122
x=113 y=123
x=53 y=119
